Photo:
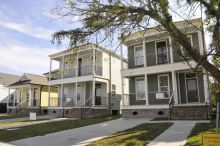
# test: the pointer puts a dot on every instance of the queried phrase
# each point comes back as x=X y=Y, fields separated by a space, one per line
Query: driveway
x=81 y=136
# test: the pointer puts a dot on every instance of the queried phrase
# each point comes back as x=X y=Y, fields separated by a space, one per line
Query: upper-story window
x=183 y=50
x=162 y=52
x=138 y=55
x=140 y=93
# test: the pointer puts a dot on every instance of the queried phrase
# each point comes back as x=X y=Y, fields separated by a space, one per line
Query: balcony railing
x=69 y=73
x=82 y=71
x=158 y=58
x=71 y=101
x=132 y=98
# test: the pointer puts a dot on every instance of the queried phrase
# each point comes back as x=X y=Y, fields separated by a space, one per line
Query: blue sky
x=25 y=34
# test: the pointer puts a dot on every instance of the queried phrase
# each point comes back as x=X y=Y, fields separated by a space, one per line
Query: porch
x=81 y=94
x=180 y=87
x=25 y=96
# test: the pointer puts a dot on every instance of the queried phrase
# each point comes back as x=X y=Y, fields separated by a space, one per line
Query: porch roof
x=30 y=79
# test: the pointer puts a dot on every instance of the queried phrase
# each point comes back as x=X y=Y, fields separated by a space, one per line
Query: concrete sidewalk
x=82 y=135
x=176 y=135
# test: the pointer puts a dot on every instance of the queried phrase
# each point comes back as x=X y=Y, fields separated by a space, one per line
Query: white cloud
x=28 y=29
x=23 y=58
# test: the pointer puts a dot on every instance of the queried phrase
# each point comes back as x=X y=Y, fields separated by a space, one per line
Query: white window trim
x=158 y=80
x=155 y=47
x=135 y=55
x=196 y=84
x=136 y=88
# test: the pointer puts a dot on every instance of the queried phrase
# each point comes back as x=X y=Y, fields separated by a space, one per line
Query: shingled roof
x=30 y=79
x=7 y=79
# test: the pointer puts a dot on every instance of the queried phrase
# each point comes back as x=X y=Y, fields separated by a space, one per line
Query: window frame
x=159 y=87
x=135 y=47
x=136 y=93
x=167 y=50
x=113 y=91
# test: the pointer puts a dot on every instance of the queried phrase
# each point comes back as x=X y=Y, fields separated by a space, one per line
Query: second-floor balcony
x=74 y=72
x=153 y=59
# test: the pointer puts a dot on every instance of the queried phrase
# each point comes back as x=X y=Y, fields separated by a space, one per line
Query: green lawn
x=195 y=138
x=45 y=128
x=137 y=136
x=20 y=123
x=12 y=117
x=17 y=116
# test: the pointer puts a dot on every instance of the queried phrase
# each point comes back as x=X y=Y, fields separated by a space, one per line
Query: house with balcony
x=161 y=81
x=30 y=94
x=88 y=81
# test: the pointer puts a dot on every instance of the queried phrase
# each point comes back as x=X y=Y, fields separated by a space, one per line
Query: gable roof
x=30 y=79
x=7 y=79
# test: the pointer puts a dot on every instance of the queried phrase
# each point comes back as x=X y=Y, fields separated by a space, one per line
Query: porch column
x=61 y=95
x=50 y=69
x=93 y=92
x=48 y=95
x=8 y=99
x=77 y=67
x=146 y=89
x=15 y=96
x=30 y=98
x=122 y=79
x=171 y=49
x=174 y=87
x=76 y=94
x=144 y=51
x=62 y=67
x=206 y=87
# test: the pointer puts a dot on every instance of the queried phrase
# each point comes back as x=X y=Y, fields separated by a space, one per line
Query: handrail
x=171 y=105
x=21 y=102
x=171 y=97
x=84 y=103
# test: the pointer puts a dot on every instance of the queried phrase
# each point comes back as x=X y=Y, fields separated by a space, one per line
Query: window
x=162 y=52
x=113 y=90
x=138 y=55
x=183 y=51
x=140 y=89
x=163 y=85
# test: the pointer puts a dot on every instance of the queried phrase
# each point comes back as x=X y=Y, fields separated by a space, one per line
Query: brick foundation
x=190 y=112
x=145 y=113
x=22 y=111
x=77 y=112
x=195 y=112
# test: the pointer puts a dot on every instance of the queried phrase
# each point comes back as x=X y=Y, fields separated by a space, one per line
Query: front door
x=191 y=88
x=98 y=93
x=79 y=88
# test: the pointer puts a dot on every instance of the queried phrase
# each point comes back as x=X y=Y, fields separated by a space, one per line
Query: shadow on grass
x=139 y=135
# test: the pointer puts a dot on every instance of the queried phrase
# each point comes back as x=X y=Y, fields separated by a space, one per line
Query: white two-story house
x=161 y=82
x=88 y=81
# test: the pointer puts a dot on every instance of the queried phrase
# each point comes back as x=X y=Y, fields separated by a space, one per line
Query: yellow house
x=31 y=95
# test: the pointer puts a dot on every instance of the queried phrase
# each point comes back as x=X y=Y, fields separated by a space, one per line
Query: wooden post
x=30 y=98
